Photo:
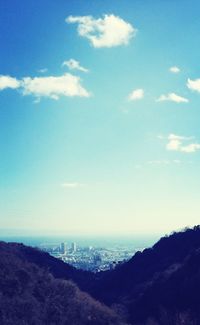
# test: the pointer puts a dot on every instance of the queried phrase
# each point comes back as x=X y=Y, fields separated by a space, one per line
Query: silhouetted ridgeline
x=29 y=295
x=160 y=286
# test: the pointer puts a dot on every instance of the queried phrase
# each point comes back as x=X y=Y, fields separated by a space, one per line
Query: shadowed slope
x=31 y=295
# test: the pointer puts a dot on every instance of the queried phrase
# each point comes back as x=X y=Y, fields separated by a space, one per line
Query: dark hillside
x=58 y=268
x=172 y=298
x=132 y=276
x=29 y=295
x=161 y=285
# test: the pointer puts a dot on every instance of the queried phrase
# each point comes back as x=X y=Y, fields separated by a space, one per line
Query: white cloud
x=43 y=70
x=136 y=94
x=173 y=136
x=54 y=87
x=194 y=85
x=172 y=97
x=74 y=65
x=174 y=144
x=48 y=86
x=190 y=147
x=163 y=162
x=178 y=137
x=174 y=69
x=8 y=82
x=108 y=31
x=178 y=143
x=72 y=185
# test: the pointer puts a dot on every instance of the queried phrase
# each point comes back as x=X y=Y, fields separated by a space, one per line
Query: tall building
x=63 y=248
x=97 y=259
x=73 y=247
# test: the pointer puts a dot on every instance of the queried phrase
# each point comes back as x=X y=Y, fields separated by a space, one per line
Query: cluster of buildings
x=89 y=258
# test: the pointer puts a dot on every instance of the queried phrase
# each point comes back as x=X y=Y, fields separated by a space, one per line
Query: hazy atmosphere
x=99 y=116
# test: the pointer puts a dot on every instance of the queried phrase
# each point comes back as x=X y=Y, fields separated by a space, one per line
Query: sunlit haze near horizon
x=99 y=116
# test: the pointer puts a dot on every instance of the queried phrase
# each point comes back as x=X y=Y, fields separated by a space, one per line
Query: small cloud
x=178 y=137
x=74 y=65
x=53 y=87
x=191 y=147
x=9 y=82
x=172 y=97
x=163 y=162
x=43 y=70
x=194 y=85
x=174 y=69
x=72 y=185
x=136 y=94
x=161 y=137
x=174 y=144
x=178 y=143
x=37 y=100
x=158 y=162
x=108 y=31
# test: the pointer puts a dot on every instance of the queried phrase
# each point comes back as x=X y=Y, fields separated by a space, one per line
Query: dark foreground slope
x=58 y=268
x=30 y=295
x=161 y=285
x=173 y=297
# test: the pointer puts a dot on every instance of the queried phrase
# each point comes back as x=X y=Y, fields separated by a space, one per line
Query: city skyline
x=99 y=107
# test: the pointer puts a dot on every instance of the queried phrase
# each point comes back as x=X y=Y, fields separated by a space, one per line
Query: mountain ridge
x=31 y=295
x=159 y=286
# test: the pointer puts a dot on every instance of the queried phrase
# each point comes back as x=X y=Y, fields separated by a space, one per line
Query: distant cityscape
x=90 y=258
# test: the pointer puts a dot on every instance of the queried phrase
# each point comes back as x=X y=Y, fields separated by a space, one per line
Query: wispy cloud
x=44 y=70
x=180 y=143
x=108 y=31
x=72 y=185
x=9 y=82
x=192 y=147
x=172 y=97
x=174 y=143
x=163 y=162
x=159 y=163
x=194 y=85
x=74 y=65
x=174 y=69
x=136 y=94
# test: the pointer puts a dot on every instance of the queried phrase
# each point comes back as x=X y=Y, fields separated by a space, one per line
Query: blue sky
x=99 y=116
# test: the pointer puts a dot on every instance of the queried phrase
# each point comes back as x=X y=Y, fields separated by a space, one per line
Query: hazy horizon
x=23 y=233
x=99 y=117
x=134 y=242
